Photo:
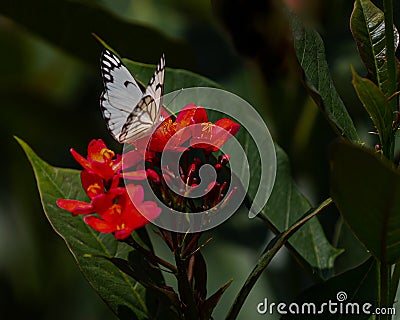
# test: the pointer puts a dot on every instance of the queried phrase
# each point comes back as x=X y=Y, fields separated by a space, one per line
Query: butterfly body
x=130 y=112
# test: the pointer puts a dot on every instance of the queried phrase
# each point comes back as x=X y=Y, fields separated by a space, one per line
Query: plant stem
x=270 y=251
x=384 y=286
x=185 y=290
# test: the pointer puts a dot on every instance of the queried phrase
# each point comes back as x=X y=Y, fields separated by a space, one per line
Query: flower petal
x=191 y=114
x=211 y=137
x=97 y=151
x=103 y=169
x=231 y=126
x=81 y=160
x=122 y=234
x=99 y=224
x=133 y=219
x=75 y=206
x=102 y=202
x=92 y=184
x=136 y=193
x=135 y=175
x=131 y=159
x=149 y=210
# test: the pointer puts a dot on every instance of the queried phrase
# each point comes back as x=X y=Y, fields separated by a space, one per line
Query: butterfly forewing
x=122 y=89
x=115 y=118
x=129 y=113
x=155 y=89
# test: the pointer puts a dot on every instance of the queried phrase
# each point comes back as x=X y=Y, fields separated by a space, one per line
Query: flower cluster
x=206 y=135
x=194 y=138
x=110 y=209
x=118 y=209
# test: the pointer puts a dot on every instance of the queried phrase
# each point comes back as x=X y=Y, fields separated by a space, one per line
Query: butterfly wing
x=147 y=112
x=155 y=89
x=121 y=93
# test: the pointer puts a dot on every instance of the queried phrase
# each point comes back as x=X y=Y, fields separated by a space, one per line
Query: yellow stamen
x=94 y=188
x=121 y=227
x=208 y=126
x=107 y=153
x=115 y=209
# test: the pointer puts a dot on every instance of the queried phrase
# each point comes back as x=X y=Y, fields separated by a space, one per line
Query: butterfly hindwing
x=128 y=112
x=138 y=122
x=146 y=113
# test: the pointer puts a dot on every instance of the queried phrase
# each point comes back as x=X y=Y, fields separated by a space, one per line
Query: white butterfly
x=129 y=112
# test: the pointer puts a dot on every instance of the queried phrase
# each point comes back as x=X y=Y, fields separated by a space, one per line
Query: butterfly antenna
x=172 y=100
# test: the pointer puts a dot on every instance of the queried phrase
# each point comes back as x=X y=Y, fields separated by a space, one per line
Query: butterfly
x=130 y=111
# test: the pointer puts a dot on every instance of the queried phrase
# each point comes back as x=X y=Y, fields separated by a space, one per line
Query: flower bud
x=153 y=176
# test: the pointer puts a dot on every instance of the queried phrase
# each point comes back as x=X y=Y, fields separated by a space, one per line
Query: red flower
x=131 y=165
x=75 y=206
x=204 y=134
x=116 y=212
x=100 y=160
x=94 y=188
x=190 y=114
x=114 y=208
x=124 y=216
x=211 y=136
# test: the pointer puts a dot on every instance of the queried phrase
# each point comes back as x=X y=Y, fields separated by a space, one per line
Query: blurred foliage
x=49 y=88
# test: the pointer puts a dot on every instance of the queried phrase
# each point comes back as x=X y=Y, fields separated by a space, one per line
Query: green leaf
x=143 y=274
x=127 y=298
x=69 y=25
x=310 y=52
x=285 y=206
x=368 y=27
x=175 y=79
x=371 y=208
x=208 y=306
x=377 y=107
x=200 y=276
x=359 y=285
x=354 y=251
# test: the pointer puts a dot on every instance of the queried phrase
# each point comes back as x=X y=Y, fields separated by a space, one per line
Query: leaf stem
x=270 y=251
x=384 y=268
x=394 y=283
x=389 y=35
x=391 y=65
